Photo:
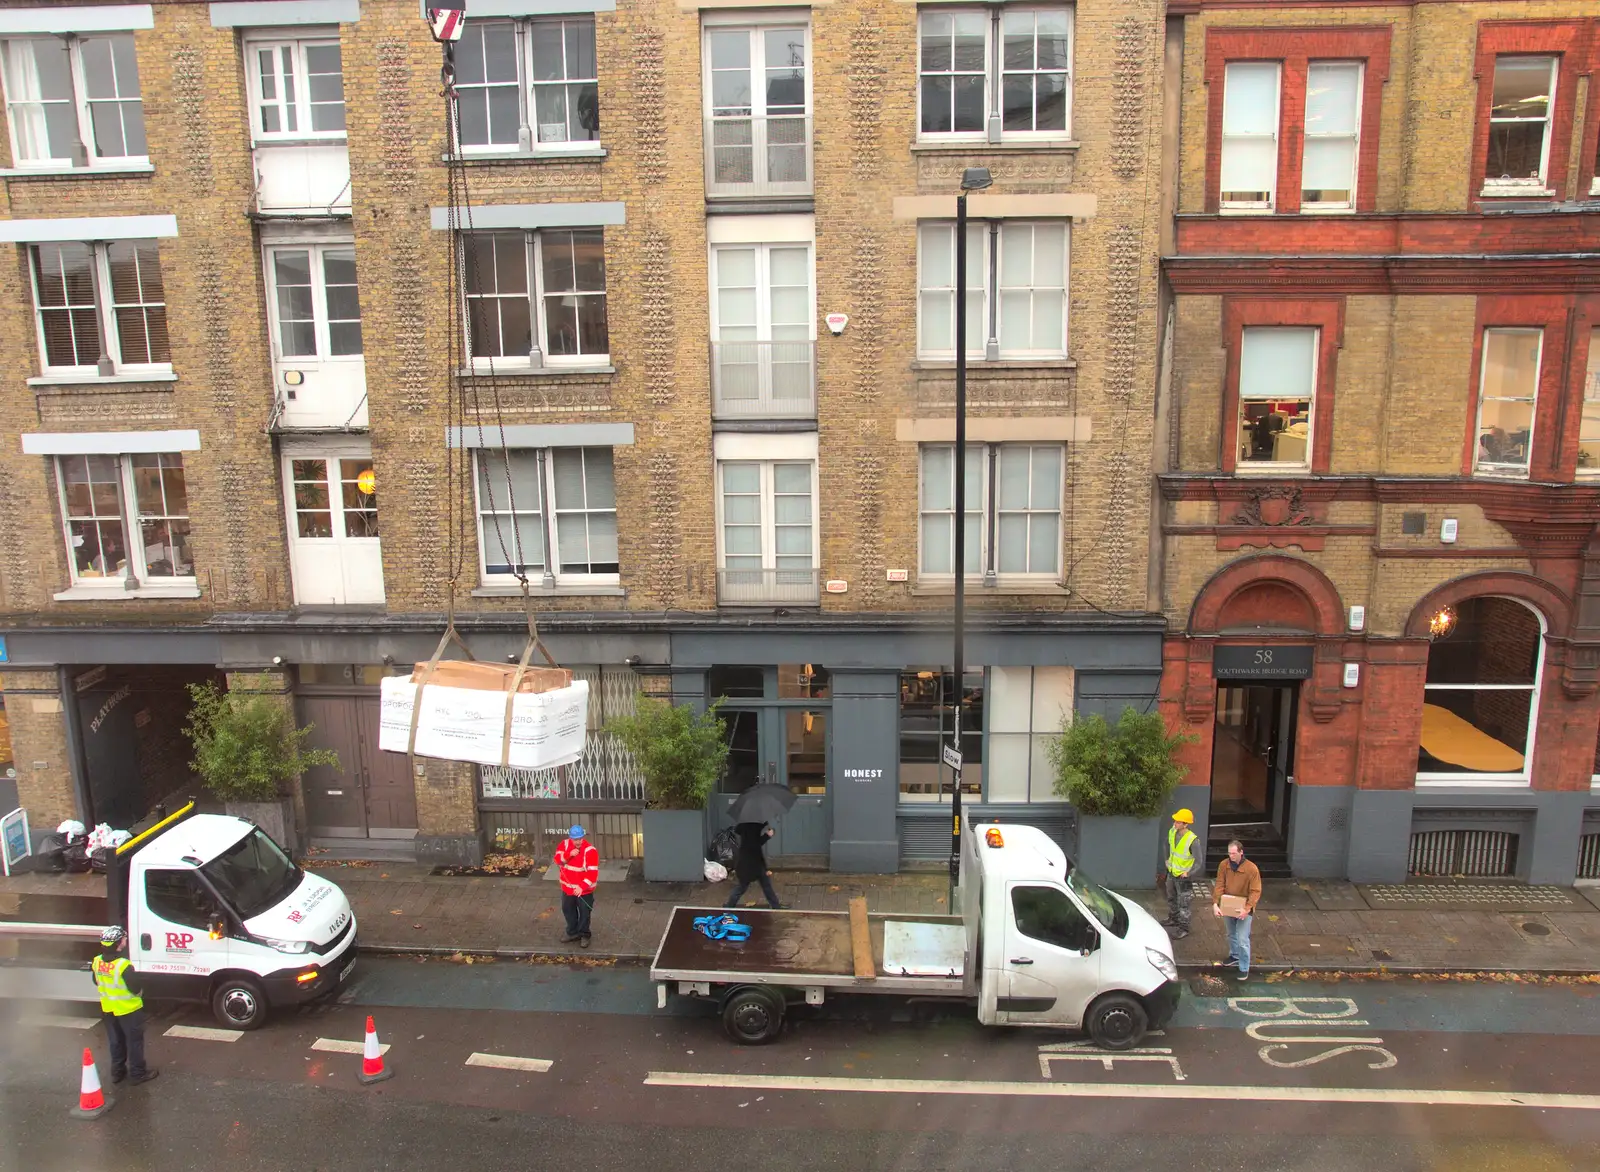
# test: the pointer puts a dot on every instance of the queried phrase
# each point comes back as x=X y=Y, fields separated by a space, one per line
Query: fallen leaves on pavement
x=1487 y=977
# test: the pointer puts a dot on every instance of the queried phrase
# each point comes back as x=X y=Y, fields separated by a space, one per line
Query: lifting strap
x=451 y=635
x=522 y=668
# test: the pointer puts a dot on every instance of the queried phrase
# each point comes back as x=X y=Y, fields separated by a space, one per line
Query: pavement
x=1315 y=925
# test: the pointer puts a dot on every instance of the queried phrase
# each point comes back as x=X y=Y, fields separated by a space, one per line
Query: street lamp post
x=972 y=179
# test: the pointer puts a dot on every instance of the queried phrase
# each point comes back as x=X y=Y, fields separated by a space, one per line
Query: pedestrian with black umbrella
x=750 y=863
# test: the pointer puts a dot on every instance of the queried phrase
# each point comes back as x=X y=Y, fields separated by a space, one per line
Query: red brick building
x=1379 y=434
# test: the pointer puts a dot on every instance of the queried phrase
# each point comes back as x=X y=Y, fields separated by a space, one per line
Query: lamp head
x=976 y=179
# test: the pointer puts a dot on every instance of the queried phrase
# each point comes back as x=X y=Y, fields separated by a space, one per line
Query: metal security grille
x=1589 y=856
x=1475 y=853
x=924 y=839
x=538 y=833
x=605 y=773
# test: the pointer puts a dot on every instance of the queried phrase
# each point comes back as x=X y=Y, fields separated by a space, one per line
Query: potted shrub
x=1119 y=778
x=248 y=752
x=681 y=755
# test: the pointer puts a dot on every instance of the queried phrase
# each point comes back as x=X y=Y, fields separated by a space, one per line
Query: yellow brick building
x=245 y=441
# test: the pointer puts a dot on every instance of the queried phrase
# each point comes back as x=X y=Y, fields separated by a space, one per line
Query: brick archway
x=1536 y=592
x=1302 y=589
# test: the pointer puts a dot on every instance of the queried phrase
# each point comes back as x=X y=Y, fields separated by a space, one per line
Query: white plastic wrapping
x=468 y=724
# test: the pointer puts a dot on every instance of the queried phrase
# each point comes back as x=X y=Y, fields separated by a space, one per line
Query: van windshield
x=253 y=874
x=1100 y=902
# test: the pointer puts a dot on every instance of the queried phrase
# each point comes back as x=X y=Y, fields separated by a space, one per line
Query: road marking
x=1089 y=1052
x=340 y=1046
x=61 y=1020
x=204 y=1033
x=508 y=1062
x=1228 y=1094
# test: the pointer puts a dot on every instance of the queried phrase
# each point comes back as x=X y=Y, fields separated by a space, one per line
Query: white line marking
x=62 y=1020
x=204 y=1033
x=340 y=1046
x=508 y=1062
x=1231 y=1094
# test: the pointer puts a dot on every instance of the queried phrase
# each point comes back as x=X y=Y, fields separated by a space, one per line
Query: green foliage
x=246 y=747
x=680 y=754
x=1126 y=770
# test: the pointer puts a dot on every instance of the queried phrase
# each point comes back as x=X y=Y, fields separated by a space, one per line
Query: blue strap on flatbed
x=722 y=927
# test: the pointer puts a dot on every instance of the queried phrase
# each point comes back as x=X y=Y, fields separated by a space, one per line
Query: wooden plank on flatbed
x=861 y=940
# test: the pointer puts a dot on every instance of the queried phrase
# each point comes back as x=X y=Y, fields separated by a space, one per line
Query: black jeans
x=125 y=1035
x=743 y=885
x=577 y=909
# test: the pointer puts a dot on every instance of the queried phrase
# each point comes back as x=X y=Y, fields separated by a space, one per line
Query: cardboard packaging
x=468 y=723
x=1232 y=905
x=492 y=677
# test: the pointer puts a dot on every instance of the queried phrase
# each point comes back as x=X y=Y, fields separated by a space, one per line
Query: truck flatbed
x=812 y=950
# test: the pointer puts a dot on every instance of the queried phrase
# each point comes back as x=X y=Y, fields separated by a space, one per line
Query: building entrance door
x=785 y=746
x=370 y=794
x=1252 y=754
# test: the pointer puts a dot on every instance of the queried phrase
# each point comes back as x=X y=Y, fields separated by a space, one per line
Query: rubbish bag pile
x=75 y=849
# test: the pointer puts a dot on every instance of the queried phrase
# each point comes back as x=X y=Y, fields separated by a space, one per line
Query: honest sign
x=1262 y=663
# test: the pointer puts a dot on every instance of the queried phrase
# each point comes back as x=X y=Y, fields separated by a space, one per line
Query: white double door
x=334 y=550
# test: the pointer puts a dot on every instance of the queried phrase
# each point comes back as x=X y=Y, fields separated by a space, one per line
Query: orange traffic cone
x=92 y=1102
x=372 y=1067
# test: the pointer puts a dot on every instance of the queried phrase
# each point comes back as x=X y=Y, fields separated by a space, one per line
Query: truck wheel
x=239 y=1004
x=1117 y=1021
x=753 y=1017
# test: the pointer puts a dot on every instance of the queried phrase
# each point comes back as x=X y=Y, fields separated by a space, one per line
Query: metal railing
x=763 y=380
x=749 y=155
x=767 y=587
x=1467 y=853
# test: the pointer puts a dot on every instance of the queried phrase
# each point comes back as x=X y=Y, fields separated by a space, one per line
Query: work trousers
x=125 y=1036
x=577 y=909
x=1180 y=894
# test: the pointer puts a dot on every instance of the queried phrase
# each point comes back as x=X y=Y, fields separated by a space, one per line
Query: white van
x=215 y=912
x=1038 y=942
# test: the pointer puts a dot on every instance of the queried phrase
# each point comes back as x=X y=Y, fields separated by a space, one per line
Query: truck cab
x=217 y=912
x=1054 y=947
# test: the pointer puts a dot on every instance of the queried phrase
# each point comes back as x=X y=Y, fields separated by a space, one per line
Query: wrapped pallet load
x=464 y=709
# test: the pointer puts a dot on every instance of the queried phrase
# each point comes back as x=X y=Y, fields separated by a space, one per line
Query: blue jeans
x=1239 y=942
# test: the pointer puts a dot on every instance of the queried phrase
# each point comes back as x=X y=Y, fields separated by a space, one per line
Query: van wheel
x=239 y=1004
x=1117 y=1021
x=753 y=1017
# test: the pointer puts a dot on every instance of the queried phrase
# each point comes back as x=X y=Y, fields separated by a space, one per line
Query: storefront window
x=927 y=719
x=804 y=681
x=735 y=682
x=1482 y=691
x=1029 y=705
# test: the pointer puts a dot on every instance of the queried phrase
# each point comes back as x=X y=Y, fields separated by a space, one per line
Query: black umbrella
x=762 y=803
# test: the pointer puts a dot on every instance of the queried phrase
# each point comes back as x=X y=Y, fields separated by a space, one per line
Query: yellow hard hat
x=1184 y=815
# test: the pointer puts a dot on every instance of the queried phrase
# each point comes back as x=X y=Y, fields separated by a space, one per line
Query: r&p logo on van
x=180 y=941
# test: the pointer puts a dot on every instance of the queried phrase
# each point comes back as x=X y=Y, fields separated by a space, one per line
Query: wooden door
x=336 y=804
x=390 y=789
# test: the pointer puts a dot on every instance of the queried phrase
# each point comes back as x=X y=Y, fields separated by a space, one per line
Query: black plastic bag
x=100 y=859
x=724 y=846
x=49 y=853
x=76 y=857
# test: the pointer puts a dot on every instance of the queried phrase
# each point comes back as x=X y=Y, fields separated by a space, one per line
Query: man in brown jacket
x=1237 y=876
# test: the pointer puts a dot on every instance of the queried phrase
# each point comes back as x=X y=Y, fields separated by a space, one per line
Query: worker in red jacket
x=578 y=863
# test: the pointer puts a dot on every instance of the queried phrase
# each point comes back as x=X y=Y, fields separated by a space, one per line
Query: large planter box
x=276 y=818
x=674 y=846
x=1120 y=853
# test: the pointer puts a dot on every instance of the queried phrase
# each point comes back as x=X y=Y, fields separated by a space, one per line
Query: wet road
x=527 y=1064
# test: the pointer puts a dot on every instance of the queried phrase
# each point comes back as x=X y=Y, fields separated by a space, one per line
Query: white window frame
x=1038 y=779
x=763 y=287
x=319 y=300
x=539 y=357
x=1489 y=780
x=81 y=103
x=528 y=141
x=1354 y=137
x=136 y=576
x=766 y=463
x=994 y=73
x=1492 y=468
x=1271 y=202
x=297 y=42
x=550 y=576
x=1524 y=185
x=1243 y=467
x=985 y=277
x=105 y=312
x=988 y=570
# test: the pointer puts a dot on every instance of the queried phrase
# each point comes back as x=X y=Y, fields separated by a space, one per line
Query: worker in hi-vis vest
x=1180 y=865
x=121 y=1008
